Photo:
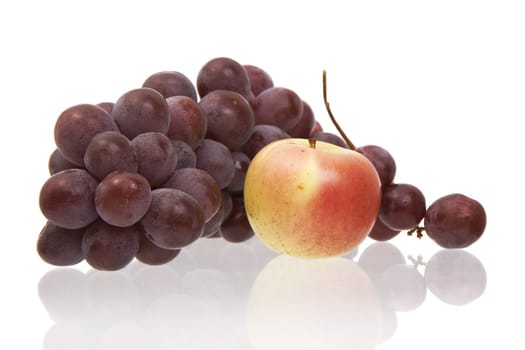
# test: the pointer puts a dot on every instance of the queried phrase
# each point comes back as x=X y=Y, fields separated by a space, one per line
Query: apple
x=310 y=198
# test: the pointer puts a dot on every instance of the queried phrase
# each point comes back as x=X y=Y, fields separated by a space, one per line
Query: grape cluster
x=163 y=165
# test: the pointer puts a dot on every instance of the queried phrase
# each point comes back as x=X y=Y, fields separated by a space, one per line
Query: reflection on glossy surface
x=314 y=304
x=243 y=296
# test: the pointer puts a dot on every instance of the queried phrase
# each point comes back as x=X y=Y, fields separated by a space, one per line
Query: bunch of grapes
x=162 y=166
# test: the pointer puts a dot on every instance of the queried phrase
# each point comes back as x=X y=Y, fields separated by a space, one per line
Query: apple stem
x=312 y=142
x=332 y=118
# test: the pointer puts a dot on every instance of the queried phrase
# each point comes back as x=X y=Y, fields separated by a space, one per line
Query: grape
x=67 y=199
x=57 y=163
x=230 y=117
x=171 y=83
x=141 y=110
x=151 y=254
x=403 y=287
x=156 y=157
x=200 y=185
x=305 y=124
x=402 y=206
x=278 y=106
x=60 y=246
x=226 y=203
x=75 y=128
x=109 y=151
x=188 y=122
x=381 y=232
x=223 y=73
x=236 y=227
x=455 y=221
x=241 y=161
x=216 y=159
x=455 y=276
x=123 y=198
x=330 y=138
x=174 y=220
x=261 y=136
x=186 y=157
x=107 y=106
x=383 y=162
x=259 y=79
x=109 y=247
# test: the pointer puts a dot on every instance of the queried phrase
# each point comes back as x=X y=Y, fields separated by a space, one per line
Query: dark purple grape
x=305 y=124
x=186 y=157
x=200 y=185
x=278 y=106
x=188 y=122
x=383 y=162
x=109 y=151
x=381 y=232
x=156 y=157
x=229 y=116
x=59 y=246
x=216 y=159
x=330 y=138
x=75 y=128
x=241 y=161
x=151 y=254
x=57 y=163
x=402 y=207
x=226 y=203
x=67 y=199
x=174 y=220
x=455 y=221
x=107 y=106
x=141 y=110
x=171 y=83
x=123 y=198
x=236 y=227
x=109 y=247
x=260 y=80
x=223 y=73
x=261 y=136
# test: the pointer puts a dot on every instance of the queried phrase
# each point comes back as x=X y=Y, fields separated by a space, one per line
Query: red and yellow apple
x=311 y=199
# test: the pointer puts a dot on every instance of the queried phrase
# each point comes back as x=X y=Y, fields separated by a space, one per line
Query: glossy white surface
x=438 y=84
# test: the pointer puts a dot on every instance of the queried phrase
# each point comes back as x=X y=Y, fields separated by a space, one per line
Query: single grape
x=108 y=247
x=402 y=207
x=186 y=157
x=57 y=163
x=305 y=124
x=59 y=246
x=216 y=159
x=260 y=80
x=329 y=137
x=188 y=122
x=200 y=185
x=151 y=254
x=141 y=110
x=381 y=232
x=109 y=151
x=156 y=157
x=123 y=198
x=174 y=220
x=455 y=221
x=278 y=106
x=75 y=128
x=67 y=199
x=236 y=227
x=242 y=162
x=171 y=83
x=382 y=161
x=229 y=116
x=261 y=136
x=223 y=73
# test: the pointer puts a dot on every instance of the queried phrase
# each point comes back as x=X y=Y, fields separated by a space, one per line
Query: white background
x=440 y=84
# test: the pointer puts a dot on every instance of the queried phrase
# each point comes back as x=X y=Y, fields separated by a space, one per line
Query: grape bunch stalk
x=164 y=165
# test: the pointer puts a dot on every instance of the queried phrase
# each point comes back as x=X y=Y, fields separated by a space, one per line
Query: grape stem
x=332 y=118
x=418 y=230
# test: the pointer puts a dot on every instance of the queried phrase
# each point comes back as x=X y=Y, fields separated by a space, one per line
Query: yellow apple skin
x=311 y=201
